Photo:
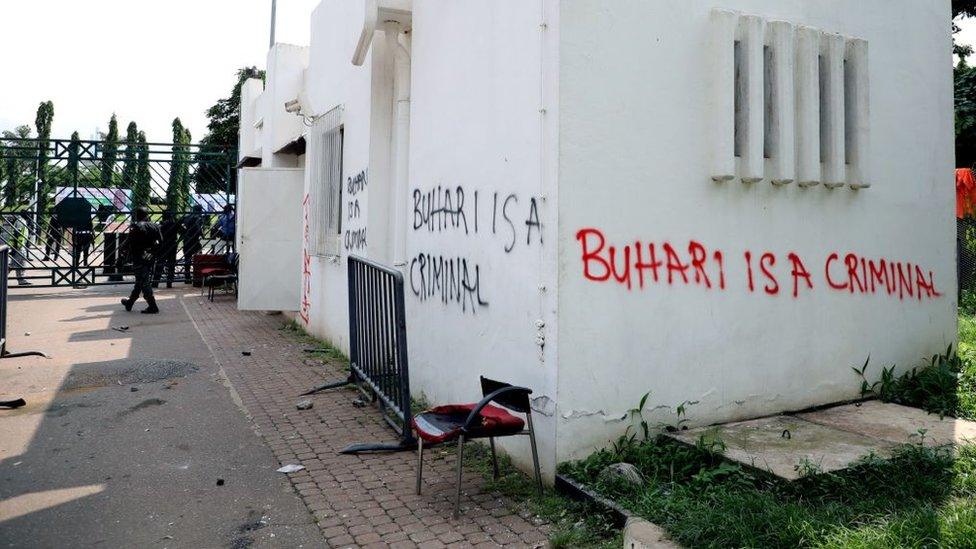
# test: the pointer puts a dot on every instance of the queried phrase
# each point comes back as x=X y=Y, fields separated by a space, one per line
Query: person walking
x=55 y=235
x=144 y=240
x=192 y=228
x=167 y=256
x=14 y=229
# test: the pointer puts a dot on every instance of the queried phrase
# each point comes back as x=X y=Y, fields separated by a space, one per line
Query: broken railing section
x=4 y=272
x=378 y=349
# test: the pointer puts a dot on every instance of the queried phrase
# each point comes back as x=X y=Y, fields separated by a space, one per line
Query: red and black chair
x=465 y=422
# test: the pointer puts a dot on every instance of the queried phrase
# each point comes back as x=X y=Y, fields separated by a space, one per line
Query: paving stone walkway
x=358 y=501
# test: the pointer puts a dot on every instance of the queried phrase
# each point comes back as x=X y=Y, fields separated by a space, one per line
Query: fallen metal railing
x=378 y=348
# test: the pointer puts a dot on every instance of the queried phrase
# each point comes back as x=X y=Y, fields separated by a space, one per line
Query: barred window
x=325 y=188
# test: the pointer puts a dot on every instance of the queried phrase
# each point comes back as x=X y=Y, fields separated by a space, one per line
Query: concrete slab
x=782 y=444
x=894 y=423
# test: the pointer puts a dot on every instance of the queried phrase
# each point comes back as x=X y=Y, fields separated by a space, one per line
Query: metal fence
x=378 y=348
x=66 y=204
x=966 y=254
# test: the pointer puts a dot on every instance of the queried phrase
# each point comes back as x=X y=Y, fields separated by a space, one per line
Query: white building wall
x=333 y=81
x=636 y=127
x=248 y=143
x=284 y=81
x=481 y=201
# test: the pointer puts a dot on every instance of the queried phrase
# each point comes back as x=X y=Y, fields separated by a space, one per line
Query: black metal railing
x=378 y=348
x=4 y=270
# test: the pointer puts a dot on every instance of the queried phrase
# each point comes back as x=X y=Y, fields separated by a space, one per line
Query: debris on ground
x=16 y=403
x=220 y=482
x=304 y=404
x=246 y=353
x=622 y=471
x=133 y=389
x=290 y=468
x=26 y=333
x=120 y=328
x=359 y=403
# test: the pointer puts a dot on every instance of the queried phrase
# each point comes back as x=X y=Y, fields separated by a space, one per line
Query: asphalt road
x=131 y=438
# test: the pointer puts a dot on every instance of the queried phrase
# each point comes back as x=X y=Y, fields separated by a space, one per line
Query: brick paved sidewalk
x=366 y=500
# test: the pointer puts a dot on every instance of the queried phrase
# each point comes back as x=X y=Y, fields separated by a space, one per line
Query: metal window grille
x=325 y=191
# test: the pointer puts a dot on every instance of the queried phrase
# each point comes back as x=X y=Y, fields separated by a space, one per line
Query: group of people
x=152 y=249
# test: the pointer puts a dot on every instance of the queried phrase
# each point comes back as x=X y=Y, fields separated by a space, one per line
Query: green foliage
x=222 y=130
x=142 y=189
x=932 y=386
x=17 y=168
x=43 y=120
x=965 y=103
x=705 y=501
x=110 y=153
x=178 y=189
x=129 y=161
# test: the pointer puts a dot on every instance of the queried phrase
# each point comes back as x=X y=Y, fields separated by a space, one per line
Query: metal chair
x=466 y=422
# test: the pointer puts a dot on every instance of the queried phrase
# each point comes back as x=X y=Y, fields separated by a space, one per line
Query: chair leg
x=535 y=452
x=420 y=462
x=494 y=458
x=460 y=464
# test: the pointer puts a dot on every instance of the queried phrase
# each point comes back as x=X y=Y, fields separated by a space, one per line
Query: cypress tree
x=129 y=165
x=110 y=152
x=174 y=191
x=43 y=120
x=142 y=190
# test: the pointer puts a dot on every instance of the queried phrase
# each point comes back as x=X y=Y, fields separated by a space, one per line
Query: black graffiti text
x=452 y=280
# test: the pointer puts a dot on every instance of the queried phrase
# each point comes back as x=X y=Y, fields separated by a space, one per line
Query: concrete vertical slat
x=832 y=133
x=751 y=122
x=807 y=88
x=723 y=32
x=857 y=84
x=780 y=38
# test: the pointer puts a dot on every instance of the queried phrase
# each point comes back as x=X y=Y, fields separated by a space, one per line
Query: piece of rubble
x=304 y=404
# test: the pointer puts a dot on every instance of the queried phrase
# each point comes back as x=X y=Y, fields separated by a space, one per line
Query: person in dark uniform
x=144 y=240
x=192 y=229
x=55 y=234
x=167 y=255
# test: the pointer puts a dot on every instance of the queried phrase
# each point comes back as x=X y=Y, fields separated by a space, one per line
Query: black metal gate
x=65 y=206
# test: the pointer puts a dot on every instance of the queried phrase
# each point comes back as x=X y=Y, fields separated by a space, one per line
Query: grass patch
x=322 y=349
x=921 y=497
x=575 y=524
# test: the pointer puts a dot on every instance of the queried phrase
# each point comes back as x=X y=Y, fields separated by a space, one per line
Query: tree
x=222 y=130
x=74 y=148
x=110 y=152
x=129 y=165
x=142 y=190
x=16 y=168
x=43 y=120
x=965 y=90
x=178 y=192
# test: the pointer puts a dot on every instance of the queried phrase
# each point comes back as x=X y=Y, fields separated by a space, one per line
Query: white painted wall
x=332 y=80
x=613 y=99
x=635 y=129
x=479 y=71
x=248 y=142
x=284 y=81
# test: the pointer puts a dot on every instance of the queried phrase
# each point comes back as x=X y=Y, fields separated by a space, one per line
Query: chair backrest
x=517 y=401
